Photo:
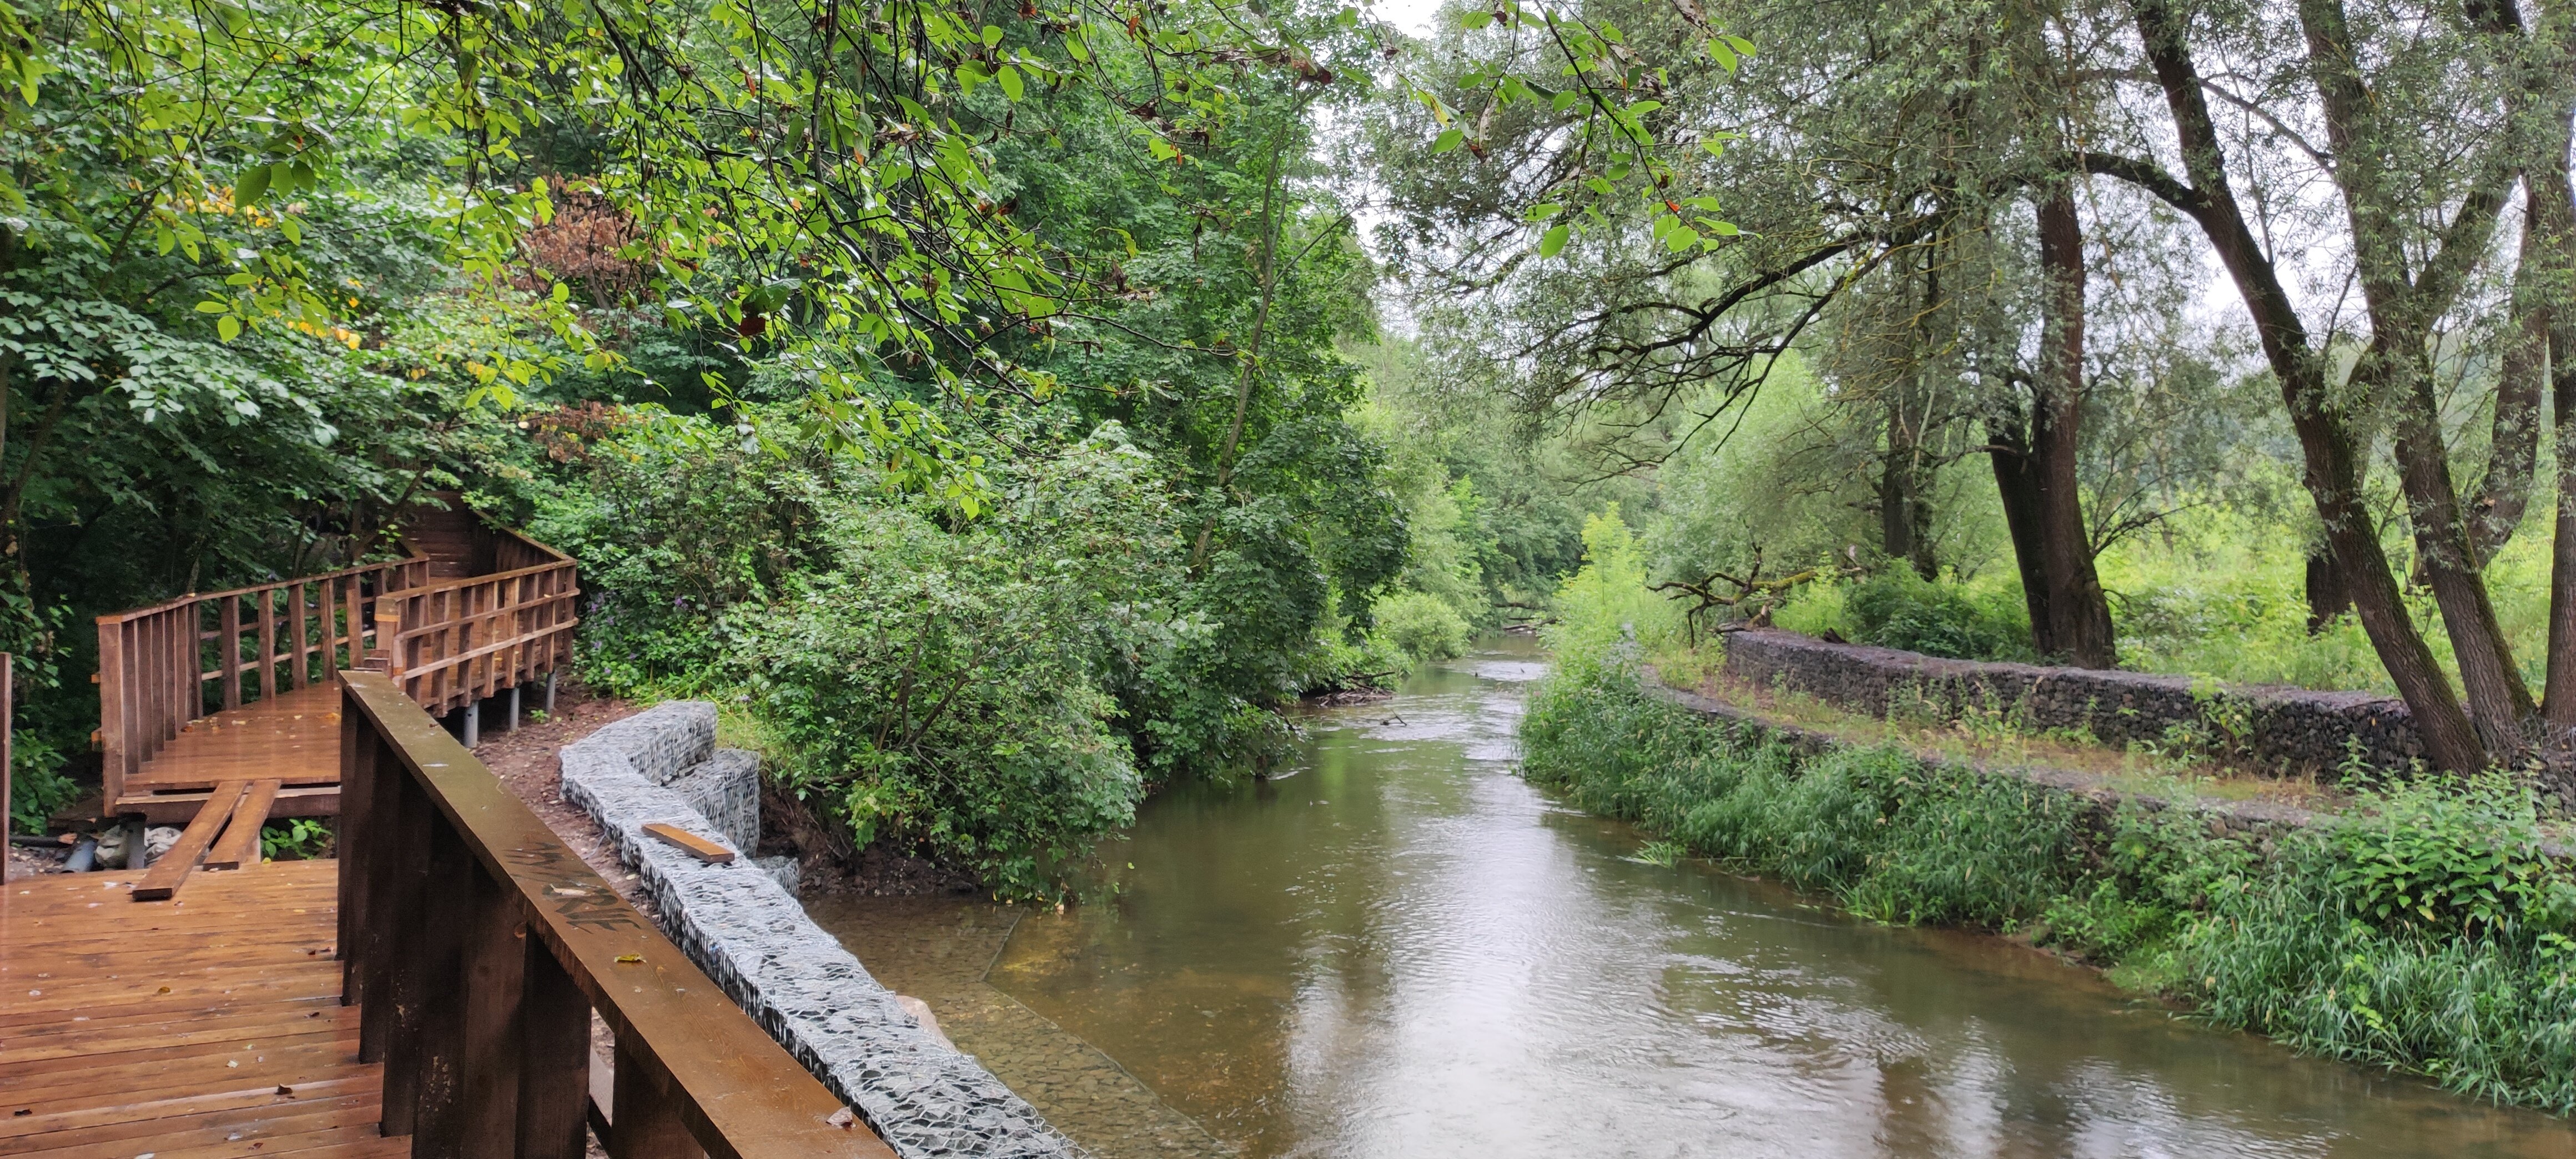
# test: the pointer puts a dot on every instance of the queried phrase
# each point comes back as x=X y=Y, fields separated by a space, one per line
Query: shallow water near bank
x=1403 y=949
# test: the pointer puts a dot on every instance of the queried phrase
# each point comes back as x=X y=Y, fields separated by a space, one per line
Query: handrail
x=452 y=642
x=317 y=577
x=154 y=662
x=476 y=945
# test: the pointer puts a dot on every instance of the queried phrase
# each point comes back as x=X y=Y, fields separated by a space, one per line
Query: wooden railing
x=477 y=946
x=453 y=642
x=161 y=667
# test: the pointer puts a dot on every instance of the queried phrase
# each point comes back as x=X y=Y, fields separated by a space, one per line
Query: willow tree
x=2423 y=118
x=1863 y=158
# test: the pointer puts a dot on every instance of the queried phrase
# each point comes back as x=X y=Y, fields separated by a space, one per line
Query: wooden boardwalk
x=210 y=1025
x=207 y=1006
x=292 y=737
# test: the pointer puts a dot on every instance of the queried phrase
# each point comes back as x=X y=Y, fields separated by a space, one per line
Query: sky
x=1413 y=16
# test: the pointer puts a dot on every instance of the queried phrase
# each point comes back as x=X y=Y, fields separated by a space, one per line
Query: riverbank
x=2423 y=932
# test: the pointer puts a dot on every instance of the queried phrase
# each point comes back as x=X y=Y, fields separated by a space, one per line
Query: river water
x=1402 y=949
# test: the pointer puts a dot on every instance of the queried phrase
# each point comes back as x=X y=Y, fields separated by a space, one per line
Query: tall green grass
x=2423 y=933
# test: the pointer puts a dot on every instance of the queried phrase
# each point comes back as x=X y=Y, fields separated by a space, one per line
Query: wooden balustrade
x=162 y=667
x=453 y=642
x=477 y=945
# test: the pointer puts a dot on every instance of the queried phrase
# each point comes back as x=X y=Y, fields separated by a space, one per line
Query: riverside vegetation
x=2419 y=929
x=1005 y=408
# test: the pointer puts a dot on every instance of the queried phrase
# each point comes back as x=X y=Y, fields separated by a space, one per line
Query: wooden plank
x=690 y=843
x=166 y=876
x=241 y=835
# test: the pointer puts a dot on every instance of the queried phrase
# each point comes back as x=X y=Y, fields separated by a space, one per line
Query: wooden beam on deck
x=169 y=873
x=240 y=841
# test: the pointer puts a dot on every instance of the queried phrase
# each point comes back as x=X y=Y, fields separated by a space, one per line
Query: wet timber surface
x=1402 y=949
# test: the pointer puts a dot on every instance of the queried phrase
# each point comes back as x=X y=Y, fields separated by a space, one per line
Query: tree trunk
x=2553 y=214
x=2328 y=595
x=2079 y=614
x=1904 y=512
x=2403 y=297
x=2017 y=485
x=2513 y=441
x=2332 y=461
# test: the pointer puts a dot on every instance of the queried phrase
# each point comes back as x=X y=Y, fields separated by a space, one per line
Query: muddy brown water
x=1403 y=949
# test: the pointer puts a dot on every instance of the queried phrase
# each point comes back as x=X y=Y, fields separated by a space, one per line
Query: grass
x=2419 y=930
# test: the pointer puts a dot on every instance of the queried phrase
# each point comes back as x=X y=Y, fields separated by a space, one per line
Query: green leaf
x=252 y=185
x=228 y=326
x=1553 y=241
x=1009 y=79
x=1545 y=211
x=1449 y=140
x=1472 y=21
x=1723 y=54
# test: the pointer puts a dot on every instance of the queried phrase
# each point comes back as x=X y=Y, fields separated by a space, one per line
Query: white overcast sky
x=1413 y=16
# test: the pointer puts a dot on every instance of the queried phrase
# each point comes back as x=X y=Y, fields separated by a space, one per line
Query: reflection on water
x=1405 y=950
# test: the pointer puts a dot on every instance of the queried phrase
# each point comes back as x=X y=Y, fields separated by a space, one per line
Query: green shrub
x=37 y=786
x=1899 y=609
x=1423 y=627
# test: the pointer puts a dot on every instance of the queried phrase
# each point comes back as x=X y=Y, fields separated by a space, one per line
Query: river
x=1401 y=949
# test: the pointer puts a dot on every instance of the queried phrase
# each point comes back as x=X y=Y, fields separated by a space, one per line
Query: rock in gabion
x=749 y=934
x=783 y=870
x=725 y=789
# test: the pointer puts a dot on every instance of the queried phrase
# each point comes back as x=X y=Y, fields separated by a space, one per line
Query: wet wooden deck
x=209 y=1025
x=293 y=737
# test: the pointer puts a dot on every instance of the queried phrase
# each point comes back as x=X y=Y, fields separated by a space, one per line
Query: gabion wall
x=749 y=934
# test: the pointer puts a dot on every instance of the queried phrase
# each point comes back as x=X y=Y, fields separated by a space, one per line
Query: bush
x=37 y=785
x=1423 y=627
x=1899 y=609
x=940 y=696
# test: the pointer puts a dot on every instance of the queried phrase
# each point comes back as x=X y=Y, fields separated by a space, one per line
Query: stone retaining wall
x=751 y=936
x=2292 y=730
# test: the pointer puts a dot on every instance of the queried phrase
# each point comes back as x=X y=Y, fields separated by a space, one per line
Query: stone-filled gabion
x=2291 y=730
x=749 y=934
x=725 y=789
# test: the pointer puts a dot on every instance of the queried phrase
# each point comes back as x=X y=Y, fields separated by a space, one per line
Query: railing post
x=435 y=1004
x=304 y=640
x=554 y=1061
x=493 y=1049
x=113 y=705
x=646 y=1118
x=362 y=755
x=398 y=904
x=268 y=642
x=389 y=641
x=228 y=646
